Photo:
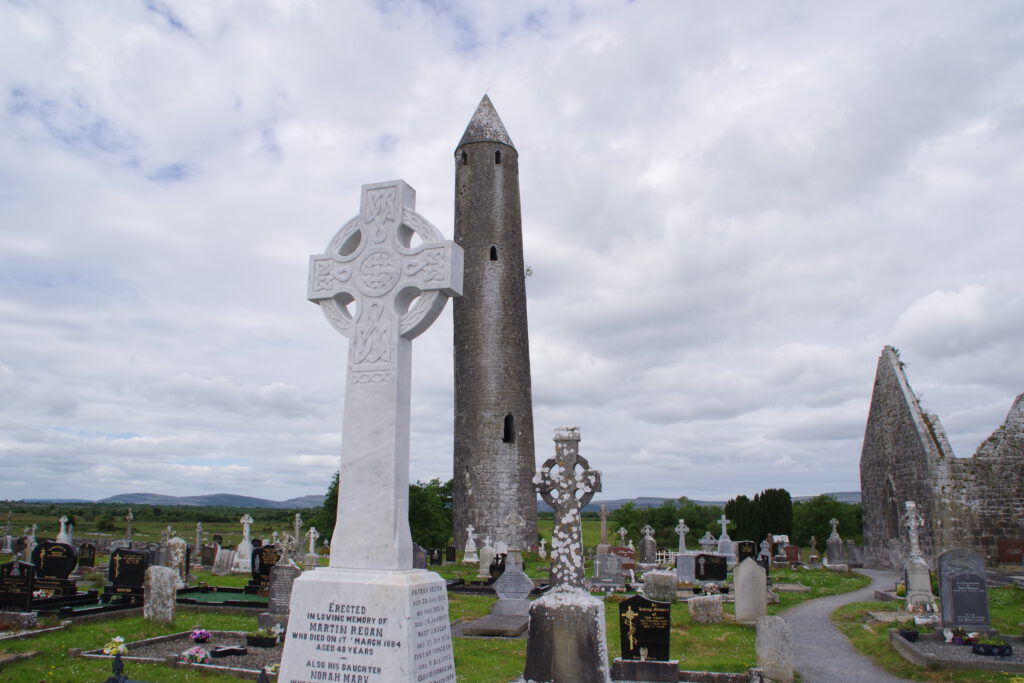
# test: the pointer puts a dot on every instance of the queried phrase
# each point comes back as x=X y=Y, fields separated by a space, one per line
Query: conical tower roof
x=485 y=126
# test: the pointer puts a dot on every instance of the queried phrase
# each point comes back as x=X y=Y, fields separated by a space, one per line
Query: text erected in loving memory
x=350 y=643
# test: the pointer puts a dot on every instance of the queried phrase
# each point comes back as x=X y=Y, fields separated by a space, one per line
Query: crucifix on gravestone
x=381 y=293
x=681 y=529
x=622 y=536
x=914 y=521
x=724 y=522
x=558 y=482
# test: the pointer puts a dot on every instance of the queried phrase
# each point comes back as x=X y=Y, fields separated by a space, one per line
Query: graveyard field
x=871 y=639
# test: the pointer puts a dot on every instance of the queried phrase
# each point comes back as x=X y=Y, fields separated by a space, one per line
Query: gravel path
x=820 y=652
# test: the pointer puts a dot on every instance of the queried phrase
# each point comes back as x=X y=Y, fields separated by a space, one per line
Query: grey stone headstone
x=419 y=557
x=208 y=555
x=963 y=590
x=751 y=591
x=513 y=588
x=282 y=576
x=660 y=586
x=223 y=563
x=775 y=648
x=834 y=550
x=706 y=609
x=686 y=568
x=854 y=555
x=648 y=550
x=160 y=594
x=608 y=570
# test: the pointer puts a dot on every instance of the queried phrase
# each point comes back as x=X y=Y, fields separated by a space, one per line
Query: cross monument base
x=384 y=625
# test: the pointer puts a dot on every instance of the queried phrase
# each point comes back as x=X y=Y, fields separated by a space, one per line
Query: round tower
x=494 y=452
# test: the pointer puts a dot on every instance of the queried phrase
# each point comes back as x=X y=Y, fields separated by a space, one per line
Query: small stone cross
x=381 y=292
x=682 y=529
x=647 y=530
x=604 y=524
x=128 y=518
x=559 y=481
x=246 y=521
x=168 y=533
x=298 y=525
x=724 y=522
x=914 y=522
x=622 y=536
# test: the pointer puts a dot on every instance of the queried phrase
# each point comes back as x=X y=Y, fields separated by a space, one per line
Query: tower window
x=465 y=159
x=509 y=433
x=494 y=253
x=497 y=156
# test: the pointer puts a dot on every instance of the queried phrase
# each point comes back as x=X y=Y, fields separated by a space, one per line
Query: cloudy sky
x=728 y=211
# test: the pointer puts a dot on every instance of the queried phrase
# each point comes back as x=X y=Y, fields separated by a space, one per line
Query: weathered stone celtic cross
x=682 y=530
x=914 y=521
x=558 y=481
x=381 y=292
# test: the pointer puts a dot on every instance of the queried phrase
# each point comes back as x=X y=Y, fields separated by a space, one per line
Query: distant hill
x=212 y=500
x=651 y=502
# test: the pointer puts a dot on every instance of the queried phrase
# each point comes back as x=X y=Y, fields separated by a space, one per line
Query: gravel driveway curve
x=820 y=652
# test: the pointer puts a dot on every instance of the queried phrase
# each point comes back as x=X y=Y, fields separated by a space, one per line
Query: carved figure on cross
x=913 y=521
x=682 y=530
x=567 y=484
x=381 y=291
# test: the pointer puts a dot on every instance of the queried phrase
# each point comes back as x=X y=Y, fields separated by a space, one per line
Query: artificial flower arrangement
x=199 y=635
x=116 y=646
x=196 y=655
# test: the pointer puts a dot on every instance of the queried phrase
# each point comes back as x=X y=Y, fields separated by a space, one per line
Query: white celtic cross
x=724 y=522
x=681 y=529
x=914 y=522
x=380 y=291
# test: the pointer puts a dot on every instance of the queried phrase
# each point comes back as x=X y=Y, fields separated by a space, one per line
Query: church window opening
x=497 y=156
x=509 y=433
x=494 y=253
x=465 y=159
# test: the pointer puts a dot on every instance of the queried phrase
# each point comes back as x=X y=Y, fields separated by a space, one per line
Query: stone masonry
x=967 y=503
x=494 y=441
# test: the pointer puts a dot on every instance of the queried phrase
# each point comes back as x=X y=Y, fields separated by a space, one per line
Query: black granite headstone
x=745 y=549
x=711 y=567
x=419 y=557
x=86 y=555
x=218 y=539
x=963 y=590
x=263 y=560
x=208 y=555
x=449 y=554
x=17 y=581
x=54 y=560
x=435 y=556
x=127 y=575
x=644 y=628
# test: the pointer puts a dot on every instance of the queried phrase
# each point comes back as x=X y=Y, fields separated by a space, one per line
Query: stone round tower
x=494 y=452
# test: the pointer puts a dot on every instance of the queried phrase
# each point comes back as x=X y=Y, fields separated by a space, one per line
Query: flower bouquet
x=199 y=635
x=196 y=655
x=116 y=646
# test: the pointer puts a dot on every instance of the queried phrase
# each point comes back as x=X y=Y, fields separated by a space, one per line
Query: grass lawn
x=1006 y=607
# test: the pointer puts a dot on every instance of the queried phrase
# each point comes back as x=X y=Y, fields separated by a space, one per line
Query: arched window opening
x=494 y=253
x=465 y=159
x=497 y=156
x=509 y=433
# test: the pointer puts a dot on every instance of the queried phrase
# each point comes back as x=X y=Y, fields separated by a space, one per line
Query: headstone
x=627 y=554
x=1010 y=551
x=218 y=539
x=510 y=614
x=86 y=556
x=608 y=571
x=644 y=629
x=854 y=556
x=750 y=588
x=566 y=639
x=243 y=551
x=919 y=581
x=263 y=560
x=725 y=543
x=370 y=265
x=126 y=574
x=708 y=543
x=792 y=553
x=282 y=576
x=705 y=609
x=622 y=536
x=542 y=553
x=963 y=590
x=686 y=567
x=745 y=549
x=712 y=568
x=486 y=558
x=17 y=581
x=160 y=594
x=648 y=547
x=449 y=554
x=419 y=557
x=208 y=555
x=775 y=648
x=224 y=563
x=834 y=545
x=469 y=555
x=178 y=558
x=54 y=563
x=660 y=586
x=501 y=548
x=435 y=557
x=151 y=550
x=63 y=536
x=682 y=530
x=602 y=546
